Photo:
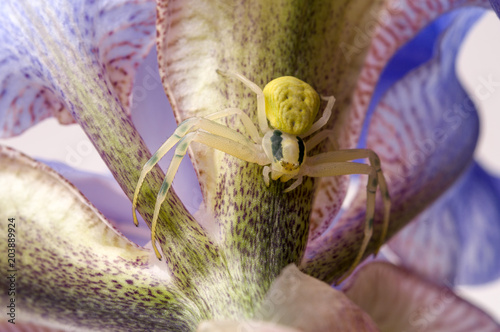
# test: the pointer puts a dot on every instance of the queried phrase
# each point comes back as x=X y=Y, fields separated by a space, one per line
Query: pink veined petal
x=28 y=93
x=402 y=20
x=399 y=22
x=398 y=300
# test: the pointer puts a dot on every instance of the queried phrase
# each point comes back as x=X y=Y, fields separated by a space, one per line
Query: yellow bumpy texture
x=291 y=104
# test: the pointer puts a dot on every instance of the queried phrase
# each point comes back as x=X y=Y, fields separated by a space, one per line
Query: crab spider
x=286 y=110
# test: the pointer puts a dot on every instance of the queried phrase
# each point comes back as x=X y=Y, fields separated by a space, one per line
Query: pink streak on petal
x=400 y=22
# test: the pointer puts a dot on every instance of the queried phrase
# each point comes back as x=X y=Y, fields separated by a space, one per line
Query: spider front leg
x=335 y=163
x=323 y=120
x=237 y=145
x=186 y=127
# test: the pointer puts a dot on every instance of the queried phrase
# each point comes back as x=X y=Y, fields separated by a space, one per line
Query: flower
x=76 y=61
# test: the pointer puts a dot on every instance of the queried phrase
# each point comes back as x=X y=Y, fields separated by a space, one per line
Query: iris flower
x=252 y=258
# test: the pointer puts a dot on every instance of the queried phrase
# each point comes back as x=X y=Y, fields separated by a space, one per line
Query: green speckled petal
x=70 y=267
x=262 y=228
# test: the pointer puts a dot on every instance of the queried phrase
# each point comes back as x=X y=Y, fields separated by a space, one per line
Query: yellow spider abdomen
x=291 y=104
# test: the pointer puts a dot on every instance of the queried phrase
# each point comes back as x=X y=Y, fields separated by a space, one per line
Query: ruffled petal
x=397 y=23
x=424 y=130
x=457 y=239
x=400 y=22
x=29 y=92
x=398 y=300
x=70 y=267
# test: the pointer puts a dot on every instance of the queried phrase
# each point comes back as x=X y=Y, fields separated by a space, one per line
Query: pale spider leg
x=374 y=161
x=333 y=167
x=312 y=142
x=185 y=127
x=353 y=154
x=265 y=173
x=238 y=146
x=323 y=120
x=245 y=119
x=261 y=102
x=294 y=185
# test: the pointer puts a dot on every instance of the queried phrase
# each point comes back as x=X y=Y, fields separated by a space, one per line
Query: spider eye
x=291 y=104
x=289 y=166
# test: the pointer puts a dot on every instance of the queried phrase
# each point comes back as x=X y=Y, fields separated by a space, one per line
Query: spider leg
x=327 y=113
x=261 y=103
x=184 y=128
x=335 y=163
x=265 y=172
x=319 y=137
x=294 y=185
x=352 y=154
x=245 y=119
x=237 y=145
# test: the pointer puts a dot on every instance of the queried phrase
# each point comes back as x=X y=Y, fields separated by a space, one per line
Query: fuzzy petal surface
x=71 y=268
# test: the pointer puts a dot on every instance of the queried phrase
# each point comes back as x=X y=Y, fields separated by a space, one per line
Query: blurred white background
x=478 y=62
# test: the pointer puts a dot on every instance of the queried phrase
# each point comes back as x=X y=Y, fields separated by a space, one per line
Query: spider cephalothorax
x=286 y=111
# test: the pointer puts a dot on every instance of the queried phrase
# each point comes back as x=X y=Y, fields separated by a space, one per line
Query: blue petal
x=457 y=240
x=51 y=52
x=479 y=227
x=495 y=4
x=425 y=128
